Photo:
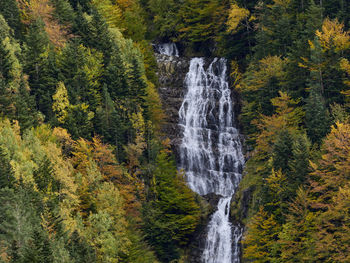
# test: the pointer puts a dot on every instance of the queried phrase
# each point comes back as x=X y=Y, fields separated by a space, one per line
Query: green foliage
x=16 y=222
x=282 y=150
x=88 y=67
x=201 y=21
x=10 y=11
x=316 y=116
x=173 y=215
x=64 y=12
x=165 y=18
x=40 y=66
x=81 y=70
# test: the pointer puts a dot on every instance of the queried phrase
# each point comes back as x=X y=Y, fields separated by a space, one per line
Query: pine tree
x=282 y=151
x=108 y=122
x=38 y=249
x=79 y=121
x=300 y=162
x=63 y=12
x=164 y=16
x=40 y=65
x=16 y=221
x=10 y=11
x=316 y=114
x=26 y=110
x=6 y=176
x=173 y=216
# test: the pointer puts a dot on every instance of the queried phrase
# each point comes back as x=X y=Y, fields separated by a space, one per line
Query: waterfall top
x=168 y=49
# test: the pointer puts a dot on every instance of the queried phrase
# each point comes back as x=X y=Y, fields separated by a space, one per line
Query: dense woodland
x=86 y=174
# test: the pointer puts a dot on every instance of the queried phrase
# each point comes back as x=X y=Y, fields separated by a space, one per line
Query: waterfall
x=169 y=49
x=211 y=152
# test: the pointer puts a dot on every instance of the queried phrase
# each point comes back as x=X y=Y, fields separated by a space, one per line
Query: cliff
x=172 y=72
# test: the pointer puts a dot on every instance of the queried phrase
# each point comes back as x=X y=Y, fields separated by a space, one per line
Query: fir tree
x=316 y=114
x=282 y=151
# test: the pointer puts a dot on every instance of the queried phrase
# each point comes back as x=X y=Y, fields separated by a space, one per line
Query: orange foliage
x=42 y=9
x=124 y=4
x=89 y=156
x=106 y=161
x=4 y=256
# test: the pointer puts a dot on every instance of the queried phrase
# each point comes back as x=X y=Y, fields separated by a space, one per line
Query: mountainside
x=174 y=131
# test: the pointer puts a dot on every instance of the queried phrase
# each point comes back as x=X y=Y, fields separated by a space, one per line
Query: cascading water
x=211 y=152
x=169 y=49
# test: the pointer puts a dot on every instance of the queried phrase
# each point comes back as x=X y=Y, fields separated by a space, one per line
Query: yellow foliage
x=260 y=237
x=334 y=167
x=236 y=15
x=64 y=140
x=268 y=68
x=93 y=66
x=135 y=150
x=345 y=65
x=276 y=180
x=331 y=194
x=287 y=117
x=4 y=256
x=235 y=74
x=110 y=11
x=283 y=3
x=60 y=102
x=155 y=106
x=124 y=4
x=333 y=36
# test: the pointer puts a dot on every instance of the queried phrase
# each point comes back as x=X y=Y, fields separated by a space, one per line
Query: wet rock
x=171 y=74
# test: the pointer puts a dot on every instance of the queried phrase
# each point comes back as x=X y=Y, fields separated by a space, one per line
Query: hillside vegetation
x=86 y=174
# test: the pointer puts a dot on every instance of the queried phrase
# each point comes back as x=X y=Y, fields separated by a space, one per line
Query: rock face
x=172 y=71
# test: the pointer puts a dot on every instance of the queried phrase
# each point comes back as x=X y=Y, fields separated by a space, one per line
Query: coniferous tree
x=6 y=176
x=316 y=114
x=38 y=249
x=299 y=163
x=282 y=151
x=10 y=11
x=40 y=67
x=201 y=21
x=172 y=217
x=64 y=12
x=16 y=221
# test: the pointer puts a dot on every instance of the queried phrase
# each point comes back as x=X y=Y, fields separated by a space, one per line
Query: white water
x=211 y=152
x=169 y=49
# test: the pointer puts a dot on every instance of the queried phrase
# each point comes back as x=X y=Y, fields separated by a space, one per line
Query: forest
x=87 y=173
